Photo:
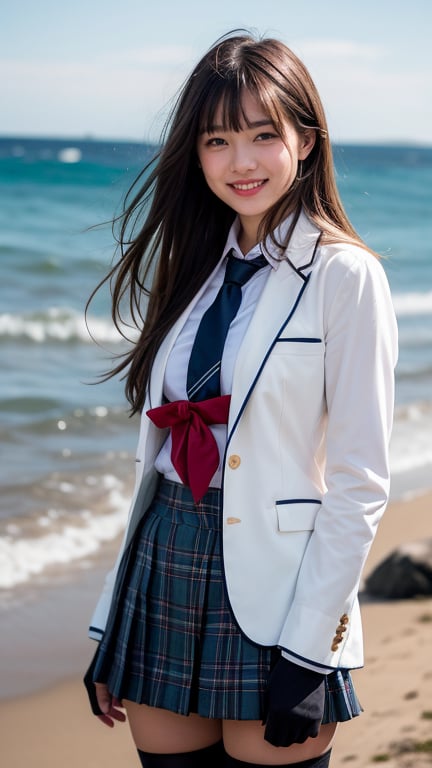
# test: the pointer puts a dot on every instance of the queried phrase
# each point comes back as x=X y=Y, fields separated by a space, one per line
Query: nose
x=243 y=159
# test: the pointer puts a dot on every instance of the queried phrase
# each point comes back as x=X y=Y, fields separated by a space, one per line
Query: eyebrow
x=249 y=126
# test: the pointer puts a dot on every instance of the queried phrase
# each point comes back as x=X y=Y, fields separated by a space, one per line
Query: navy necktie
x=203 y=376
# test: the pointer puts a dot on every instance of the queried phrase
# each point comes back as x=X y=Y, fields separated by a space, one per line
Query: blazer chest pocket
x=295 y=345
x=297 y=514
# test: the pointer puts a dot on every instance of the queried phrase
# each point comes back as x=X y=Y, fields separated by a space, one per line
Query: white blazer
x=305 y=472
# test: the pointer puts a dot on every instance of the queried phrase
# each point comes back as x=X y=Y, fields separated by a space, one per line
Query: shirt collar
x=267 y=248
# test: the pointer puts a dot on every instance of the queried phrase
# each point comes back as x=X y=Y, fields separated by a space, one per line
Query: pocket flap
x=297 y=346
x=297 y=514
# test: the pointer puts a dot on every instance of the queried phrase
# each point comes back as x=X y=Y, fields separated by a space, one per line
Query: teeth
x=245 y=187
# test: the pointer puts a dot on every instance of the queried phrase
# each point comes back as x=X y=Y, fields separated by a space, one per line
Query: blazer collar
x=301 y=249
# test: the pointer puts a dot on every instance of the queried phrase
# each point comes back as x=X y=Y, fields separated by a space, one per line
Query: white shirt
x=176 y=369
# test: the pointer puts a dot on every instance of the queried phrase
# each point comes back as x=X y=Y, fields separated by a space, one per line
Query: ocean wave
x=69 y=155
x=64 y=540
x=413 y=303
x=415 y=334
x=47 y=418
x=28 y=405
x=42 y=416
x=411 y=446
x=409 y=372
x=58 y=324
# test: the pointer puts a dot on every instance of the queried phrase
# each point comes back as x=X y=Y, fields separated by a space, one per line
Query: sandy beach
x=53 y=727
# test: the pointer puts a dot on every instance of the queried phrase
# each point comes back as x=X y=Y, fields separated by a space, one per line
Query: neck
x=248 y=236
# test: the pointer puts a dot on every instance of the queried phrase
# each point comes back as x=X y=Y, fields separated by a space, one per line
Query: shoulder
x=312 y=247
x=354 y=289
x=343 y=257
x=350 y=266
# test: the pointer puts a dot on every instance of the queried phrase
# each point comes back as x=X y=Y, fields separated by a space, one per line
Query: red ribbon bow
x=194 y=451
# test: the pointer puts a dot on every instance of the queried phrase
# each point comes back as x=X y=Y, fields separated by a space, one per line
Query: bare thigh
x=244 y=740
x=160 y=731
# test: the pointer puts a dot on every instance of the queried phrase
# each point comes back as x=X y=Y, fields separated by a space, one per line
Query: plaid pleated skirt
x=171 y=640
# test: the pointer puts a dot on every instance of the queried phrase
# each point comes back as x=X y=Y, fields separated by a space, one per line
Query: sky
x=110 y=69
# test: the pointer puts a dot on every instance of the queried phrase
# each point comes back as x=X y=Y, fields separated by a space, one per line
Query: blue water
x=67 y=445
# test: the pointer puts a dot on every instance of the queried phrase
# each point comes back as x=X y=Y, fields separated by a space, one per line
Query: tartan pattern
x=171 y=640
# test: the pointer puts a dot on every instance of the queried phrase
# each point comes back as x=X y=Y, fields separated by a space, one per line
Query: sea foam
x=59 y=324
x=413 y=303
x=75 y=539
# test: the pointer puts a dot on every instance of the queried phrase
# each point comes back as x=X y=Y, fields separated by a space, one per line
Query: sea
x=67 y=441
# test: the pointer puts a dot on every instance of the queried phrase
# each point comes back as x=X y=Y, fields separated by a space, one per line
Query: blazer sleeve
x=361 y=354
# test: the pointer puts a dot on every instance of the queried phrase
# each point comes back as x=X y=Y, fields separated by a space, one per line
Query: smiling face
x=253 y=168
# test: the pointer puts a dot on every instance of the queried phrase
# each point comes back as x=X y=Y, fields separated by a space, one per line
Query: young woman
x=264 y=375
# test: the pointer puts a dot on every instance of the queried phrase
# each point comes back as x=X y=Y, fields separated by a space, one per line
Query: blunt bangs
x=222 y=105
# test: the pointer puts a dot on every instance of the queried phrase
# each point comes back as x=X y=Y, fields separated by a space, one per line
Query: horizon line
x=89 y=137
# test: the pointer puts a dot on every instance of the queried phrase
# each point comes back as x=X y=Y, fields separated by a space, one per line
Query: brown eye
x=215 y=142
x=266 y=136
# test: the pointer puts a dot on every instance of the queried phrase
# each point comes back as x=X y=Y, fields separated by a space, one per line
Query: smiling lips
x=247 y=187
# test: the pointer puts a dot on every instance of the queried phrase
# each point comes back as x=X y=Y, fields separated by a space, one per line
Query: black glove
x=295 y=704
x=91 y=688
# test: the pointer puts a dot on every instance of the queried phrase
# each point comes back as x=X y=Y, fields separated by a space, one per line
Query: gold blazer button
x=233 y=520
x=340 y=631
x=234 y=461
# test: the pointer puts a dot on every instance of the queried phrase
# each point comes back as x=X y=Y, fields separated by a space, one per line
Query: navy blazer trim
x=305 y=266
x=96 y=629
x=304 y=339
x=315 y=663
x=298 y=501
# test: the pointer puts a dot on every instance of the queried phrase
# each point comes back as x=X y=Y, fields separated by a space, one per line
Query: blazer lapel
x=277 y=304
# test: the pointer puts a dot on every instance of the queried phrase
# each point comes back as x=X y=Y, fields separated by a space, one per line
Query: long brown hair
x=173 y=228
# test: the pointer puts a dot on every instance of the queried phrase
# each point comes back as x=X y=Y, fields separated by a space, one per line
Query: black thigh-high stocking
x=199 y=758
x=323 y=761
